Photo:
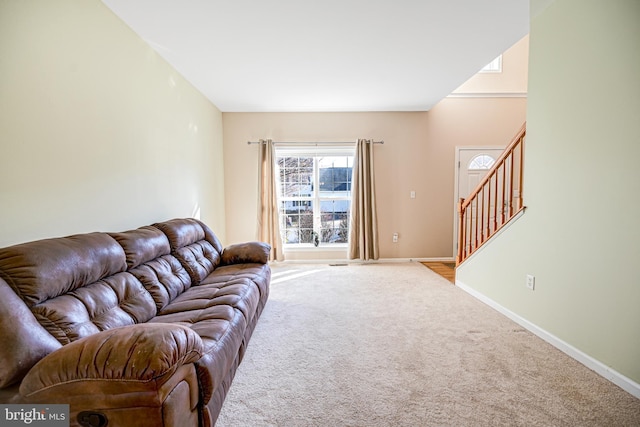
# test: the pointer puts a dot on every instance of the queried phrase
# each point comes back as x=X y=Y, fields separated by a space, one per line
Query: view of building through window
x=315 y=196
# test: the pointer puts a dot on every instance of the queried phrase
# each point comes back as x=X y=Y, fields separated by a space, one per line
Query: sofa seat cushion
x=258 y=274
x=221 y=328
x=212 y=324
x=239 y=294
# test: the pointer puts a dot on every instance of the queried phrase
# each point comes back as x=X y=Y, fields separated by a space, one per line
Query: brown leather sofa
x=141 y=328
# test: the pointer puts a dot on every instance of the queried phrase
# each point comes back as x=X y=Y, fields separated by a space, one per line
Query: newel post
x=461 y=229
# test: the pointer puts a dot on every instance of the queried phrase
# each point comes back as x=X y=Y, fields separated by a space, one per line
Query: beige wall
x=418 y=154
x=97 y=132
x=579 y=235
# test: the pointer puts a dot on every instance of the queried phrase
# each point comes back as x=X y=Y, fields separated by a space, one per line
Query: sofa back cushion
x=76 y=286
x=117 y=300
x=194 y=245
x=149 y=259
x=142 y=244
x=44 y=269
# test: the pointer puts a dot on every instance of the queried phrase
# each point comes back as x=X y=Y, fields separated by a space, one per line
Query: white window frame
x=314 y=151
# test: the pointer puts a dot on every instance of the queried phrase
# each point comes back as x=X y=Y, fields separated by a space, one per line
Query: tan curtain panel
x=363 y=233
x=268 y=221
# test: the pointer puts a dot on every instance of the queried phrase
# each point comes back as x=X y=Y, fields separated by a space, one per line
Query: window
x=494 y=66
x=481 y=161
x=315 y=194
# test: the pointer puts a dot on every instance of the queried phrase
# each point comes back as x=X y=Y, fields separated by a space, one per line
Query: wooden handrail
x=494 y=202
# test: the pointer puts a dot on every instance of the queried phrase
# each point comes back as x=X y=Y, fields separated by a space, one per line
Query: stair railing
x=494 y=202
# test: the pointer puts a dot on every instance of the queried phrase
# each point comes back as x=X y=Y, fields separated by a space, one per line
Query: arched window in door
x=481 y=161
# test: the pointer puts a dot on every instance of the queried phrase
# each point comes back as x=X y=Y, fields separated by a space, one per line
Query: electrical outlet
x=531 y=281
x=395 y=237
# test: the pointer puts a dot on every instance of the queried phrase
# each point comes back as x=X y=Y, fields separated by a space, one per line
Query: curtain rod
x=311 y=143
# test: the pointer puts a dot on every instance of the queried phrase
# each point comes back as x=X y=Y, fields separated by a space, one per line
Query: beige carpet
x=397 y=345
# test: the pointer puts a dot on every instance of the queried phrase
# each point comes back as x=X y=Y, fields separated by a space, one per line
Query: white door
x=472 y=164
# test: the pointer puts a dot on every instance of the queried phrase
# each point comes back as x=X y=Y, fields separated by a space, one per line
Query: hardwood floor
x=445 y=269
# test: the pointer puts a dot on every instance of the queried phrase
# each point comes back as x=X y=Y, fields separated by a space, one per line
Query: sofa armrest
x=141 y=356
x=250 y=252
x=24 y=340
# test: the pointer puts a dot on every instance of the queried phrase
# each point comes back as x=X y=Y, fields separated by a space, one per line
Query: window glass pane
x=296 y=176
x=296 y=221
x=481 y=161
x=334 y=218
x=335 y=175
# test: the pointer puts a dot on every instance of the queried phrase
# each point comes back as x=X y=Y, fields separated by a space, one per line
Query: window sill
x=304 y=247
x=308 y=252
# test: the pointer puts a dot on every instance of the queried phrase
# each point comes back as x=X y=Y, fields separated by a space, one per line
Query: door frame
x=456 y=174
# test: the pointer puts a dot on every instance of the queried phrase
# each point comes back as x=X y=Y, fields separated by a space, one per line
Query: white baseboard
x=357 y=261
x=598 y=367
x=437 y=259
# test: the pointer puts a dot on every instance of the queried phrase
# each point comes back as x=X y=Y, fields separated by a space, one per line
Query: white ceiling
x=326 y=55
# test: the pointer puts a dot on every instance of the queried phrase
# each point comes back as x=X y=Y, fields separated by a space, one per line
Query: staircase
x=494 y=202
